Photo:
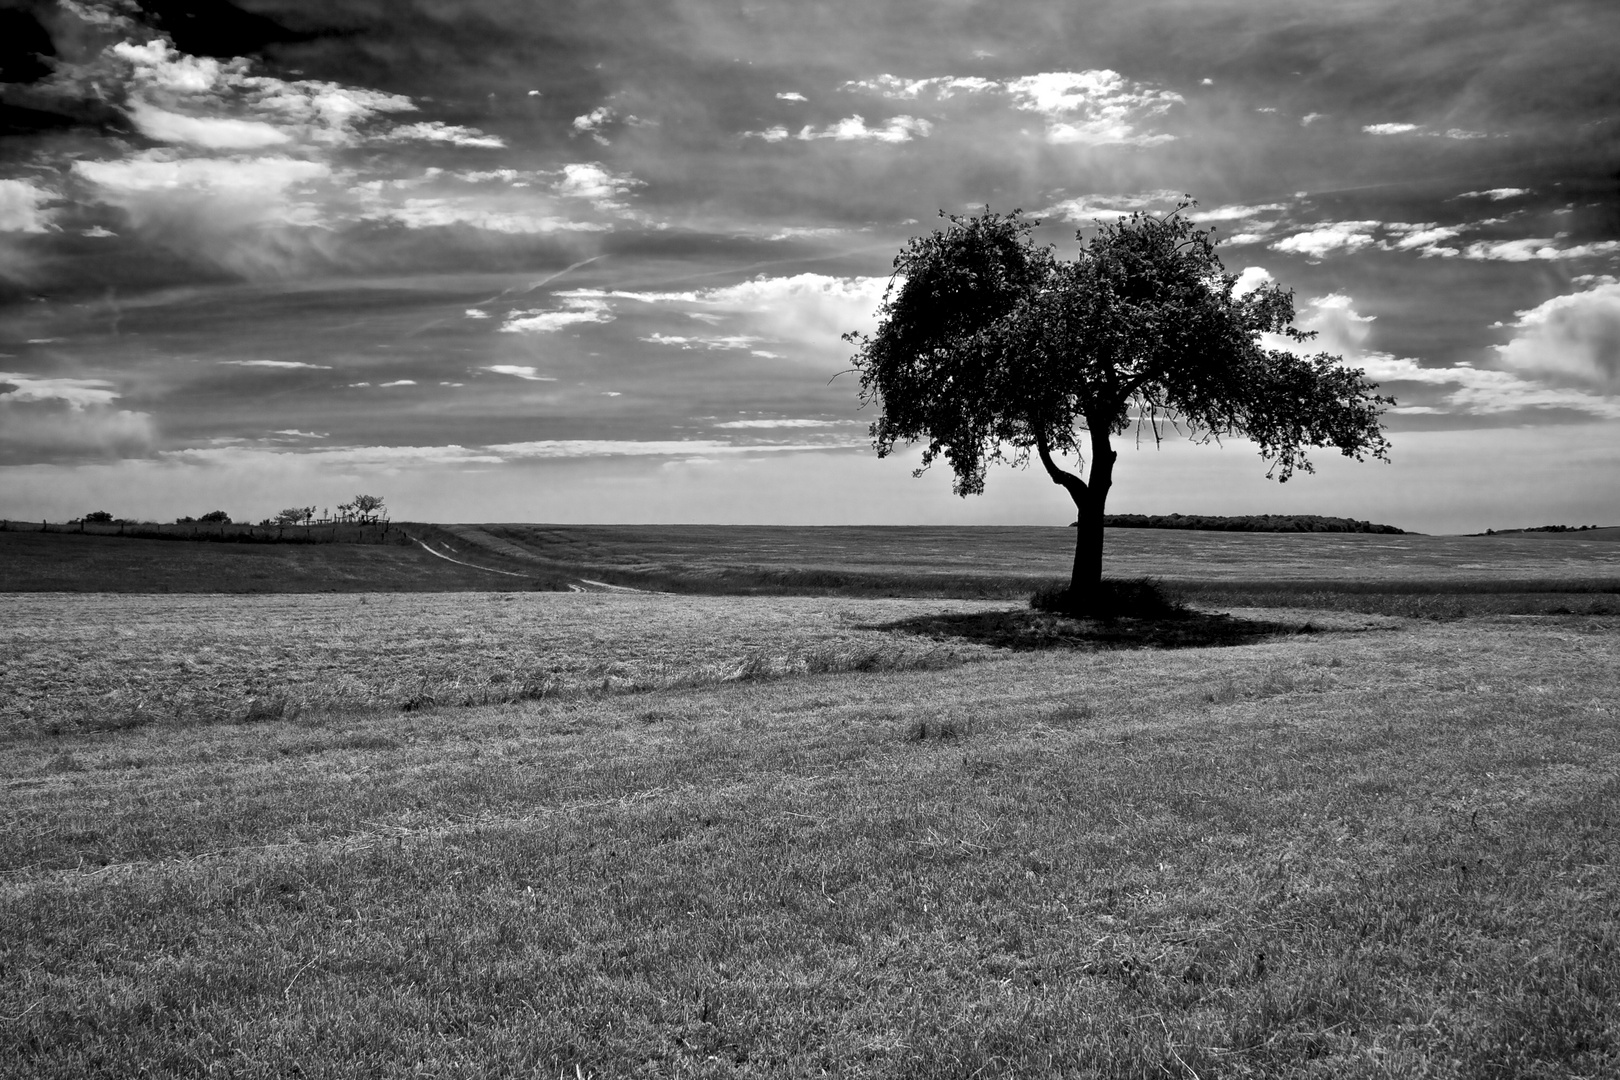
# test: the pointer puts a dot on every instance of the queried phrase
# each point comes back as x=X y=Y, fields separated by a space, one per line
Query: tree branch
x=1071 y=483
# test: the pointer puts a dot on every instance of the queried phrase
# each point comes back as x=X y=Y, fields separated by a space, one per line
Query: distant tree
x=992 y=349
x=214 y=517
x=292 y=515
x=98 y=517
x=185 y=521
x=367 y=508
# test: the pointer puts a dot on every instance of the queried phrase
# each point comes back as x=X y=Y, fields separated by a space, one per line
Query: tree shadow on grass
x=1029 y=630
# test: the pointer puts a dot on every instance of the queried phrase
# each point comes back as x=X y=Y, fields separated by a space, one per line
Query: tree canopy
x=990 y=348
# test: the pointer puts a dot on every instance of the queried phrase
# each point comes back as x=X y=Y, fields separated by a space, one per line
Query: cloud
x=1093 y=108
x=1327 y=238
x=1110 y=207
x=749 y=424
x=398 y=382
x=1389 y=129
x=590 y=180
x=436 y=131
x=944 y=86
x=1531 y=250
x=593 y=448
x=792 y=95
x=291 y=364
x=438 y=213
x=898 y=130
x=808 y=310
x=476 y=313
x=1251 y=279
x=22 y=207
x=579 y=310
x=1496 y=194
x=725 y=341
x=593 y=122
x=222 y=104
x=1569 y=340
x=1463 y=387
x=770 y=134
x=42 y=418
x=214 y=133
x=296 y=434
x=74 y=393
x=1097 y=107
x=520 y=372
x=1425 y=238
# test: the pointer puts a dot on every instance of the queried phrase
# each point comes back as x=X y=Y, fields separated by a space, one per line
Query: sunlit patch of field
x=1387 y=848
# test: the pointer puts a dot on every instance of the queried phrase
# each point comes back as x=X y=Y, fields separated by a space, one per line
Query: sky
x=508 y=260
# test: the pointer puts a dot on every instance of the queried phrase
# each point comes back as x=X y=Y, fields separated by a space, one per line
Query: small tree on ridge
x=992 y=349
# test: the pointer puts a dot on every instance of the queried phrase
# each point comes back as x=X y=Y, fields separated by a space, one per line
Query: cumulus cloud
x=1389 y=129
x=1328 y=238
x=43 y=418
x=591 y=181
x=578 y=310
x=792 y=95
x=520 y=371
x=1569 y=340
x=1464 y=388
x=1109 y=207
x=593 y=122
x=853 y=128
x=1251 y=279
x=1093 y=108
x=436 y=131
x=22 y=207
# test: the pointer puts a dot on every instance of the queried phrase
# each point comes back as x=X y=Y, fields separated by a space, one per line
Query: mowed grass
x=74 y=663
x=1385 y=848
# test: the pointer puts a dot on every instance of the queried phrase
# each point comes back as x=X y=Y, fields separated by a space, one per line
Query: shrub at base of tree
x=1131 y=598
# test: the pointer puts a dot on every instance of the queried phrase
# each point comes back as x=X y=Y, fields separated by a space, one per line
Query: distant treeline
x=223 y=531
x=1277 y=523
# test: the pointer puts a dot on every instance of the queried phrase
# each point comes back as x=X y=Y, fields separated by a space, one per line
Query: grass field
x=615 y=834
x=1384 y=848
x=965 y=563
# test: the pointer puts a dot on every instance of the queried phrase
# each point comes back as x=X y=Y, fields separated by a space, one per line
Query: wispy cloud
x=520 y=371
x=290 y=365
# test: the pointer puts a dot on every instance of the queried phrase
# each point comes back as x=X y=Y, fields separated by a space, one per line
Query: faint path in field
x=513 y=573
x=458 y=562
x=605 y=585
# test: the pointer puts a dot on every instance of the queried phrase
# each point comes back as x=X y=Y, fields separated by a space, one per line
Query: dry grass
x=1383 y=850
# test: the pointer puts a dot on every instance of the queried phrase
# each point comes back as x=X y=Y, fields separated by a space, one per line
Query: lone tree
x=991 y=348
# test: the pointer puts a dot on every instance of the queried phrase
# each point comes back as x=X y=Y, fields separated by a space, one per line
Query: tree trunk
x=1085 y=584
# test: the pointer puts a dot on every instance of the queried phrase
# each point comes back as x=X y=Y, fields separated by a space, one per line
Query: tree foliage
x=990 y=349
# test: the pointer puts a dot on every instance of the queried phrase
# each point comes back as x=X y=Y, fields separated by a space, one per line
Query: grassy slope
x=58 y=562
x=1000 y=563
x=1389 y=852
